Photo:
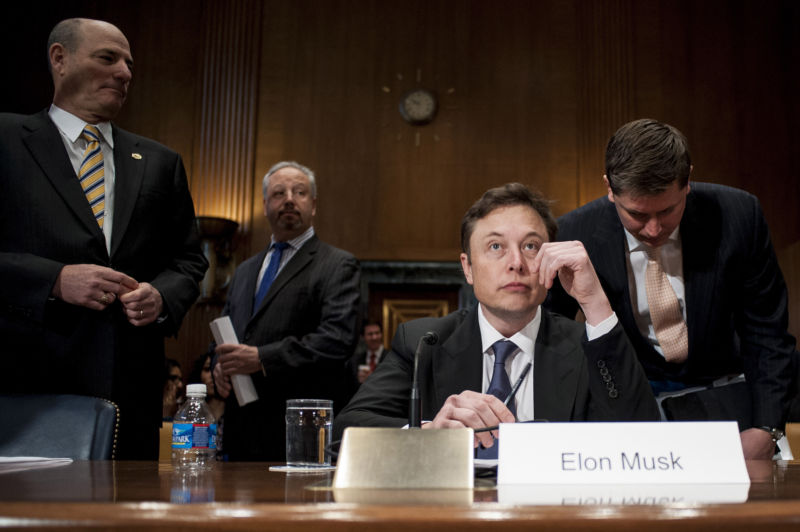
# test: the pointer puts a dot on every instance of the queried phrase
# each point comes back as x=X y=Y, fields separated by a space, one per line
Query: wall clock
x=418 y=106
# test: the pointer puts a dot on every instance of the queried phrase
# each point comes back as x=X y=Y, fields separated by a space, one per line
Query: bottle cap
x=196 y=389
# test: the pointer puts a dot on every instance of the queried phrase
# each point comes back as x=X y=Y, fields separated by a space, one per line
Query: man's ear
x=608 y=188
x=57 y=55
x=467 y=267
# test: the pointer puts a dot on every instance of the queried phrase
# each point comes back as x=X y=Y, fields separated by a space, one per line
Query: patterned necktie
x=270 y=273
x=91 y=173
x=500 y=387
x=665 y=311
x=372 y=360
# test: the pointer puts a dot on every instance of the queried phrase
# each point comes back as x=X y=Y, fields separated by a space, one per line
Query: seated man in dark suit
x=711 y=246
x=580 y=372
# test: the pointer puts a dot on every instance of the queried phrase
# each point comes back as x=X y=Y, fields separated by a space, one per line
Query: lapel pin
x=136 y=156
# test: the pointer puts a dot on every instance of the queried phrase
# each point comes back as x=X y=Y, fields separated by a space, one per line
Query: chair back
x=58 y=426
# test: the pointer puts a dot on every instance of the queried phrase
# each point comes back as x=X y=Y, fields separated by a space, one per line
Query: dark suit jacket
x=568 y=384
x=305 y=330
x=736 y=299
x=54 y=347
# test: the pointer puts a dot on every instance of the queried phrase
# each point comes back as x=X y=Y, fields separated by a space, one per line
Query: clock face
x=418 y=106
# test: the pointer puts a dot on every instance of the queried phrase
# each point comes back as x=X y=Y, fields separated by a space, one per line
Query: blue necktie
x=500 y=387
x=270 y=273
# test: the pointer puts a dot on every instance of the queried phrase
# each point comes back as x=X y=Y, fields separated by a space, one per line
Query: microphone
x=415 y=408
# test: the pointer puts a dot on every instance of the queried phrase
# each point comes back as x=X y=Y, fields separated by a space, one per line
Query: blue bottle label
x=194 y=436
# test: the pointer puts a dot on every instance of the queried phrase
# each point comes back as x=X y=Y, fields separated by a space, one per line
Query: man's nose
x=652 y=228
x=515 y=260
x=123 y=72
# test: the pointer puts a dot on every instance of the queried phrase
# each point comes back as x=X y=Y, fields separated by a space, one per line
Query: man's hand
x=222 y=382
x=91 y=286
x=473 y=410
x=363 y=373
x=571 y=263
x=757 y=444
x=237 y=359
x=143 y=305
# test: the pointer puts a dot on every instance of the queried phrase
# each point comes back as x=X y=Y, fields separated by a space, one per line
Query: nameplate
x=621 y=453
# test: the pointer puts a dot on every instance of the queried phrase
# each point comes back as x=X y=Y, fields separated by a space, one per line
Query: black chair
x=58 y=426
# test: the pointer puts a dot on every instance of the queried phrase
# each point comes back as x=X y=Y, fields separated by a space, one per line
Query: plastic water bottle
x=194 y=432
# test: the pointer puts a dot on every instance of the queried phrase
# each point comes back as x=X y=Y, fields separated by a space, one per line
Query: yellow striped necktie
x=91 y=173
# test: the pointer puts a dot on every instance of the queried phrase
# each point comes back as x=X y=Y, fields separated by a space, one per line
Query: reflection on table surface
x=146 y=496
x=247 y=483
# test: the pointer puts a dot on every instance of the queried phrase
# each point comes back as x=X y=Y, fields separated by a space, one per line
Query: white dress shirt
x=71 y=128
x=288 y=253
x=525 y=340
x=670 y=255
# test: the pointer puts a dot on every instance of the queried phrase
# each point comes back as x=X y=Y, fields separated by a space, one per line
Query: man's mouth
x=515 y=287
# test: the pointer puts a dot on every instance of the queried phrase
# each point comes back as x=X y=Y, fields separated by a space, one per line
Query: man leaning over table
x=712 y=245
x=580 y=372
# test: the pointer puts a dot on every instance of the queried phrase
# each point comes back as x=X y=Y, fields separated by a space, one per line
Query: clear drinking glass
x=308 y=432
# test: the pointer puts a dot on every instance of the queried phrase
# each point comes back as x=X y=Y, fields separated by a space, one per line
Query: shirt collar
x=524 y=338
x=71 y=126
x=296 y=242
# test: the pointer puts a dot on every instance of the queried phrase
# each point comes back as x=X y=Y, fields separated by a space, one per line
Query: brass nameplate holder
x=388 y=458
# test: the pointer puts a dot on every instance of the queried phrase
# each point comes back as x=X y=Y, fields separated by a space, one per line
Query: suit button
x=601 y=363
x=613 y=393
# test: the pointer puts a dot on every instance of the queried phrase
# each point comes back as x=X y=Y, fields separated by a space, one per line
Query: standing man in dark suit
x=579 y=372
x=294 y=306
x=98 y=252
x=713 y=245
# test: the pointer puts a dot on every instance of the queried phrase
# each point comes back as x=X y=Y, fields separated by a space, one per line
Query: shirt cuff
x=602 y=328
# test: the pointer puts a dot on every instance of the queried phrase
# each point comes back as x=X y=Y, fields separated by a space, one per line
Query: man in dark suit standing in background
x=579 y=372
x=294 y=306
x=367 y=356
x=723 y=304
x=99 y=255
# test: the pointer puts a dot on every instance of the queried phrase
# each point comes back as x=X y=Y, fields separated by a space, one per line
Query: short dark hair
x=645 y=157
x=170 y=363
x=371 y=321
x=507 y=195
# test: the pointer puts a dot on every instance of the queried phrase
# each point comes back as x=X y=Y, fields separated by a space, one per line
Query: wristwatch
x=776 y=434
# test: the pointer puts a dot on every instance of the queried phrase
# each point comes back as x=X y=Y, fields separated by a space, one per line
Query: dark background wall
x=529 y=91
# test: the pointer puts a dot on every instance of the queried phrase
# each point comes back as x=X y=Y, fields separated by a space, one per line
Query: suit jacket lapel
x=609 y=259
x=557 y=361
x=296 y=264
x=458 y=363
x=698 y=229
x=128 y=176
x=43 y=136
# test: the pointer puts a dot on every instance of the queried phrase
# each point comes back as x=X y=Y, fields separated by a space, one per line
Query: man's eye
x=494 y=246
x=531 y=246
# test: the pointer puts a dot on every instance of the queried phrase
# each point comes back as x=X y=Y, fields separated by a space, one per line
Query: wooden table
x=247 y=496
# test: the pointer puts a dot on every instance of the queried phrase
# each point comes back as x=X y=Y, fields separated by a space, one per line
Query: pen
x=495 y=427
x=511 y=394
x=517 y=384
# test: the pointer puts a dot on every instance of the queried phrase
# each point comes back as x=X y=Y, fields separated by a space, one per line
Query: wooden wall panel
x=530 y=91
x=222 y=181
x=392 y=191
